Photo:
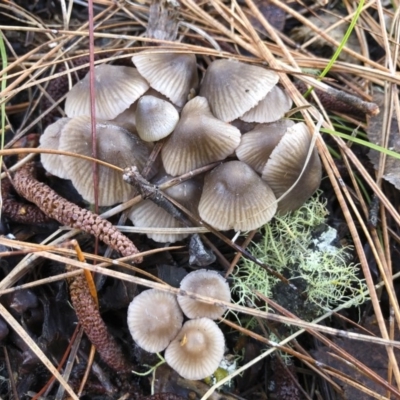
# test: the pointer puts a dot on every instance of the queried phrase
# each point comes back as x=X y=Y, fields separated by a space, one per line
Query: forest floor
x=314 y=311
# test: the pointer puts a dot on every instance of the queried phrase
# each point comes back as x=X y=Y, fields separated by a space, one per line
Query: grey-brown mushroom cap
x=271 y=108
x=154 y=319
x=116 y=88
x=257 y=145
x=115 y=145
x=171 y=74
x=285 y=165
x=198 y=139
x=148 y=214
x=197 y=350
x=155 y=118
x=50 y=139
x=205 y=283
x=233 y=88
x=235 y=197
x=127 y=118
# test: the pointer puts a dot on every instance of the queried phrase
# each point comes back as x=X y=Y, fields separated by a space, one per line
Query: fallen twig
x=20 y=212
x=67 y=213
x=93 y=325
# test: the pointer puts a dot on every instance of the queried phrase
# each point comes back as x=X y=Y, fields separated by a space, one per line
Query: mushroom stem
x=70 y=214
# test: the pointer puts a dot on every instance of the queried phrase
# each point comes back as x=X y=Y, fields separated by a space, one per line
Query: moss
x=321 y=271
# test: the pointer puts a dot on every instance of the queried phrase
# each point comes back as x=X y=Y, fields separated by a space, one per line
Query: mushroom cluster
x=267 y=169
x=195 y=348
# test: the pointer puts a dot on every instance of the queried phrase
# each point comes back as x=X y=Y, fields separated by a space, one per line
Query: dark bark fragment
x=286 y=385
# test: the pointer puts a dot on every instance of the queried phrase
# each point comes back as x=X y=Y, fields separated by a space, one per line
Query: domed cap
x=50 y=139
x=206 y=283
x=116 y=88
x=271 y=108
x=155 y=118
x=154 y=319
x=257 y=145
x=233 y=88
x=285 y=165
x=172 y=74
x=197 y=350
x=198 y=139
x=235 y=197
x=115 y=145
x=148 y=214
x=127 y=119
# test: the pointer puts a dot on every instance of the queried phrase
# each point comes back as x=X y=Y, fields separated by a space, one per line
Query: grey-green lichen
x=322 y=272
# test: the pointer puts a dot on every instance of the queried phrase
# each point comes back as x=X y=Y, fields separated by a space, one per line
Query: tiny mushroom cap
x=233 y=88
x=285 y=165
x=116 y=88
x=197 y=350
x=154 y=319
x=172 y=74
x=127 y=118
x=115 y=145
x=198 y=139
x=270 y=108
x=155 y=118
x=235 y=197
x=205 y=283
x=50 y=139
x=257 y=145
x=148 y=214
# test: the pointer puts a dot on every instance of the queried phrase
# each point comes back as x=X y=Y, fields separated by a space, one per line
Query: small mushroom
x=148 y=214
x=206 y=283
x=198 y=139
x=127 y=119
x=155 y=118
x=154 y=319
x=257 y=145
x=115 y=145
x=50 y=139
x=197 y=350
x=233 y=88
x=286 y=163
x=116 y=88
x=271 y=108
x=235 y=197
x=172 y=74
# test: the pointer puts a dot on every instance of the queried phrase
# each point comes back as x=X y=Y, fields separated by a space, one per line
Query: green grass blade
x=341 y=45
x=363 y=142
